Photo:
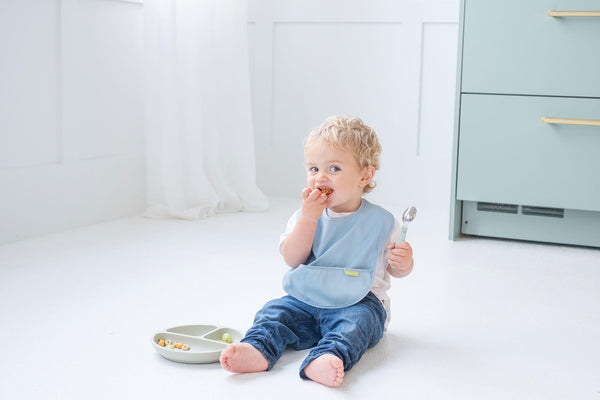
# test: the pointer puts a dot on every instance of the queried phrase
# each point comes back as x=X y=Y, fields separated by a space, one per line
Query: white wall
x=71 y=114
x=71 y=102
x=393 y=63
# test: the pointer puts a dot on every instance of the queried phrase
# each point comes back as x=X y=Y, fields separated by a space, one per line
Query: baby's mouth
x=325 y=190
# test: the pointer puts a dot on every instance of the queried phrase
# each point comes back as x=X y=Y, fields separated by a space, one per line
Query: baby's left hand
x=400 y=258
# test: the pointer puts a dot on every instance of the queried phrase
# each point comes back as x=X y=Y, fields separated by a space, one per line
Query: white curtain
x=198 y=121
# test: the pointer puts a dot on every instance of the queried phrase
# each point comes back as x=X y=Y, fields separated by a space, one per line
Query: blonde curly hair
x=352 y=134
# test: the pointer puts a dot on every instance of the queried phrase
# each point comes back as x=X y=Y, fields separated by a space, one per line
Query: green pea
x=226 y=338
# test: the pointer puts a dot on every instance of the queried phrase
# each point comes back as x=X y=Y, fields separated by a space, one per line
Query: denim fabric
x=344 y=332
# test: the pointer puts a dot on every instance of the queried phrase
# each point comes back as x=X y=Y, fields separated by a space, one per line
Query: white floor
x=477 y=319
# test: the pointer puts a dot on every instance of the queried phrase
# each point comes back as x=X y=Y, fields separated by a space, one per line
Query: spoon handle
x=402 y=234
x=401 y=237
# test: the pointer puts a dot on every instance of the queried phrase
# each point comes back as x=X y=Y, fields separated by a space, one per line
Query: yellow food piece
x=226 y=338
x=178 y=345
x=161 y=342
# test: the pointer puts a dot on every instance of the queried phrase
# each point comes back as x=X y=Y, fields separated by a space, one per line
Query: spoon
x=409 y=214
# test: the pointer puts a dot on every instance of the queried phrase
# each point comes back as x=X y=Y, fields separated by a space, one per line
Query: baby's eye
x=314 y=170
x=334 y=169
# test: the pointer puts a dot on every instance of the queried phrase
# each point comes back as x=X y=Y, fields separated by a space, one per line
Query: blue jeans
x=344 y=332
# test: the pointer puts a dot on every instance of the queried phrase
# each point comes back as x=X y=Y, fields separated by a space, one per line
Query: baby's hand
x=400 y=258
x=313 y=203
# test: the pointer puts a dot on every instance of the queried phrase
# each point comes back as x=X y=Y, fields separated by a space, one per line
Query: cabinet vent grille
x=543 y=211
x=525 y=210
x=497 y=207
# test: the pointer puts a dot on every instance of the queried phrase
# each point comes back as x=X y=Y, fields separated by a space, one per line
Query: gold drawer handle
x=570 y=121
x=554 y=13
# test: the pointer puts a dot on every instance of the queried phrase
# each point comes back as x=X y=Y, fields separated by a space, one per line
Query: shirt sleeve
x=288 y=229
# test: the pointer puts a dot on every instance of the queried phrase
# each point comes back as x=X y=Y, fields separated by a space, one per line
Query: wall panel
x=323 y=69
x=30 y=83
x=103 y=78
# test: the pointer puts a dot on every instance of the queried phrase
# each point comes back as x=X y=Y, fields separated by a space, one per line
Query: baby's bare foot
x=326 y=369
x=243 y=357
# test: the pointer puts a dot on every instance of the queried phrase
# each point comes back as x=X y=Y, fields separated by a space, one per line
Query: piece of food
x=226 y=338
x=178 y=345
x=161 y=342
x=326 y=190
x=168 y=342
x=185 y=347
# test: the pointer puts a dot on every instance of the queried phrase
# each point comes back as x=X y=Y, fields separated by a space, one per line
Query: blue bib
x=340 y=269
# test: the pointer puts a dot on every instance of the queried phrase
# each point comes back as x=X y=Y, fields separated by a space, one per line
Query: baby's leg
x=243 y=357
x=347 y=333
x=326 y=369
x=280 y=323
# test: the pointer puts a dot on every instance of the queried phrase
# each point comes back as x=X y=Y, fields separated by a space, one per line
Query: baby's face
x=334 y=170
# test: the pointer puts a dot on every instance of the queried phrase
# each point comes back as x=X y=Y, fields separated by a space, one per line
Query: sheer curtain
x=198 y=121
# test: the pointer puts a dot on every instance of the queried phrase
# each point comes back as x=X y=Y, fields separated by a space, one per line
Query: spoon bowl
x=409 y=214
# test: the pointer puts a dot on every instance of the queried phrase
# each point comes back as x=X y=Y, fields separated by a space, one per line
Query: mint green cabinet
x=515 y=176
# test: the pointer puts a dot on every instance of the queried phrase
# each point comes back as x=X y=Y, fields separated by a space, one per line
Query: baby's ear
x=367 y=175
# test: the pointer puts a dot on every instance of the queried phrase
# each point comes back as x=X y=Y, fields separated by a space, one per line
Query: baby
x=341 y=251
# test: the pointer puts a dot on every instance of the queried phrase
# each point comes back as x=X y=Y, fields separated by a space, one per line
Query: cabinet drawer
x=508 y=155
x=514 y=47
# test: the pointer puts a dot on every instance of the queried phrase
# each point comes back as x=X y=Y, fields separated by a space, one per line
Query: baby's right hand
x=313 y=203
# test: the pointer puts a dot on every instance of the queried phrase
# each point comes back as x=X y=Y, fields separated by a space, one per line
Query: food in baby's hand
x=226 y=338
x=326 y=190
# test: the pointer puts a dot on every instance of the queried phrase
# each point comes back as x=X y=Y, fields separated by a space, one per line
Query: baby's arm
x=297 y=246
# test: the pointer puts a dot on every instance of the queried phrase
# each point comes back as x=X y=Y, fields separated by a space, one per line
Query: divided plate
x=203 y=340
